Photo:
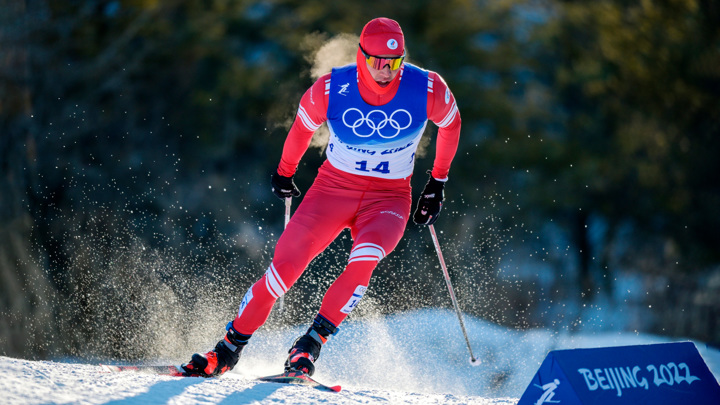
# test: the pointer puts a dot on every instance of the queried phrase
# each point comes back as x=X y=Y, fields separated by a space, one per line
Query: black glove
x=283 y=187
x=430 y=203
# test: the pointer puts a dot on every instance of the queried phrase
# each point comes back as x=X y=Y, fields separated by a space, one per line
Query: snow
x=418 y=357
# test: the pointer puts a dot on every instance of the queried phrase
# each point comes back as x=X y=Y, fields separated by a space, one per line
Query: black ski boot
x=306 y=349
x=222 y=358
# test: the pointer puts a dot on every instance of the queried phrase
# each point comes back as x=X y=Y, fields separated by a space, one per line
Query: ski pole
x=288 y=203
x=473 y=360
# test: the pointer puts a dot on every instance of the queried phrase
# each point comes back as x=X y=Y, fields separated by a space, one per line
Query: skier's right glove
x=430 y=202
x=283 y=187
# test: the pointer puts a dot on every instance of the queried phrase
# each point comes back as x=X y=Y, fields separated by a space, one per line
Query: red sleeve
x=443 y=111
x=311 y=114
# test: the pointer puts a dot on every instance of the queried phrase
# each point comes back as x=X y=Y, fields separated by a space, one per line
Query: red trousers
x=375 y=210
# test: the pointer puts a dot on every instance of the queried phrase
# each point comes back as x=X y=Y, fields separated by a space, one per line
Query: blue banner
x=668 y=373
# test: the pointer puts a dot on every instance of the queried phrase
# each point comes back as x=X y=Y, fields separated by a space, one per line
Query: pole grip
x=288 y=203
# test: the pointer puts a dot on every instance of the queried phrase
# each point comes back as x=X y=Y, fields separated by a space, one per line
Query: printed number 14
x=382 y=167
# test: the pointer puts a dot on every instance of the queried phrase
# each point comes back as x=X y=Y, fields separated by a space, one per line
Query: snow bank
x=418 y=357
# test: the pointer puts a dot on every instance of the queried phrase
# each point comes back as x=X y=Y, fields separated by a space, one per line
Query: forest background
x=137 y=138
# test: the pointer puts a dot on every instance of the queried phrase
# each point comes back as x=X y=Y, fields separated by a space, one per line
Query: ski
x=174 y=371
x=299 y=378
x=290 y=377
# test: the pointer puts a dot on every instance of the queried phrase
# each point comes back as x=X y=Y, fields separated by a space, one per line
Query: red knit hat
x=382 y=36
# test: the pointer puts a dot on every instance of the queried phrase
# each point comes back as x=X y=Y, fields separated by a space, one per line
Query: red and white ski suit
x=374 y=205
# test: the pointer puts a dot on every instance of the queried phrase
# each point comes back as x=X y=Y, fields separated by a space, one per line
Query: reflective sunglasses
x=378 y=63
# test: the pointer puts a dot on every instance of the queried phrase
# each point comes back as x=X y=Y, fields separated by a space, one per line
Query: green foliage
x=641 y=96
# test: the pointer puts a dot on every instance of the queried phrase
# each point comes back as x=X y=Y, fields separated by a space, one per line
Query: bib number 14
x=382 y=167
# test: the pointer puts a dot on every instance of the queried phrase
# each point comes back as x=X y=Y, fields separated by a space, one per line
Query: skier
x=376 y=110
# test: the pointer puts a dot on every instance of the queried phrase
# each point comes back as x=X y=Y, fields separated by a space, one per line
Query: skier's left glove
x=283 y=187
x=430 y=202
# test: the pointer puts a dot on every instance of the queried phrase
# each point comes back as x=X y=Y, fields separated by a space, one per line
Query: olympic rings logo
x=364 y=123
